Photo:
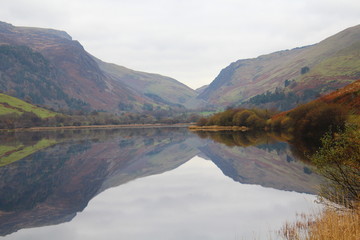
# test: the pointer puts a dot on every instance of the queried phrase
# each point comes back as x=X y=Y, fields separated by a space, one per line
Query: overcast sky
x=189 y=40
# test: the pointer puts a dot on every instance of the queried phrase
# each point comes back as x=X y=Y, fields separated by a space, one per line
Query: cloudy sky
x=189 y=40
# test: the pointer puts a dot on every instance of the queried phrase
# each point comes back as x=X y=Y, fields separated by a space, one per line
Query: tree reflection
x=336 y=158
x=238 y=138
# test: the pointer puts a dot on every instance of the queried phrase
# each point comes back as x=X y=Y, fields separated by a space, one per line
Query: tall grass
x=331 y=224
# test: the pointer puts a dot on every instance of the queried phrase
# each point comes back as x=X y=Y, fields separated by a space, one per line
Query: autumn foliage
x=311 y=121
x=251 y=118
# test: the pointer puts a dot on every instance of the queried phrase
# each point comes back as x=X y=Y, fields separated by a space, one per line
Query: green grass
x=10 y=104
x=10 y=154
x=6 y=110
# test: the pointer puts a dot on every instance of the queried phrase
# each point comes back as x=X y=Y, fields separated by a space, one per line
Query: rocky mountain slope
x=50 y=68
x=295 y=76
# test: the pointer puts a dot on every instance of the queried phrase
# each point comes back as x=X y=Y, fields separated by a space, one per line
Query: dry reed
x=331 y=224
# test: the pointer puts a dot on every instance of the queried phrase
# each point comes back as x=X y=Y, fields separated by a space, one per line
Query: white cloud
x=188 y=40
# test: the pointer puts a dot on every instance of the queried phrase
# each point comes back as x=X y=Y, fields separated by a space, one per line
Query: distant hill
x=201 y=89
x=50 y=68
x=10 y=104
x=154 y=86
x=286 y=78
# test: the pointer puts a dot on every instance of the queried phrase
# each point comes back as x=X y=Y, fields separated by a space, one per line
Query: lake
x=149 y=183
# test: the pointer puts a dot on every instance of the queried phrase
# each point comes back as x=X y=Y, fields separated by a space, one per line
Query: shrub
x=338 y=160
x=202 y=122
x=253 y=121
x=314 y=120
x=239 y=119
x=226 y=118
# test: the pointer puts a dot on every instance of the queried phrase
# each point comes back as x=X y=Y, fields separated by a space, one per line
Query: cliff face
x=320 y=68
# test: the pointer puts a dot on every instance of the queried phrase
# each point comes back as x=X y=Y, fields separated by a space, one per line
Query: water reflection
x=52 y=184
x=192 y=202
x=47 y=177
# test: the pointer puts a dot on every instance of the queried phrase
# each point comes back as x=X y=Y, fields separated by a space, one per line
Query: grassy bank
x=218 y=128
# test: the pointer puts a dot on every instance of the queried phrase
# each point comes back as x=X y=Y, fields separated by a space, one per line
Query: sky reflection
x=194 y=201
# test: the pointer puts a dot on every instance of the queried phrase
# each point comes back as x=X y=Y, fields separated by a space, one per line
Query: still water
x=163 y=183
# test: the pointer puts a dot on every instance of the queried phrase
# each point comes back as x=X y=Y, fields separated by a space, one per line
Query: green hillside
x=10 y=104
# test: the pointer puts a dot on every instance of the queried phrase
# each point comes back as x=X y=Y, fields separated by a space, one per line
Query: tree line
x=30 y=119
x=308 y=122
x=251 y=118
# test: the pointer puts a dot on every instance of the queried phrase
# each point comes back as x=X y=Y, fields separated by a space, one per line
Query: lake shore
x=96 y=127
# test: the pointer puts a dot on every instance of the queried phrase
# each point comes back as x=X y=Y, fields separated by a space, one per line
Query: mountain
x=286 y=78
x=50 y=68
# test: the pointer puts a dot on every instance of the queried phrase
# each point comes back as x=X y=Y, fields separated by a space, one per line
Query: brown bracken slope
x=348 y=96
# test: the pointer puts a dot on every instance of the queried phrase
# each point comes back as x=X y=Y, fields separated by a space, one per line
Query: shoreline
x=218 y=128
x=96 y=127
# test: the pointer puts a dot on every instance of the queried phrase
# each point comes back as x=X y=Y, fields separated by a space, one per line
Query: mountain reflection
x=47 y=177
